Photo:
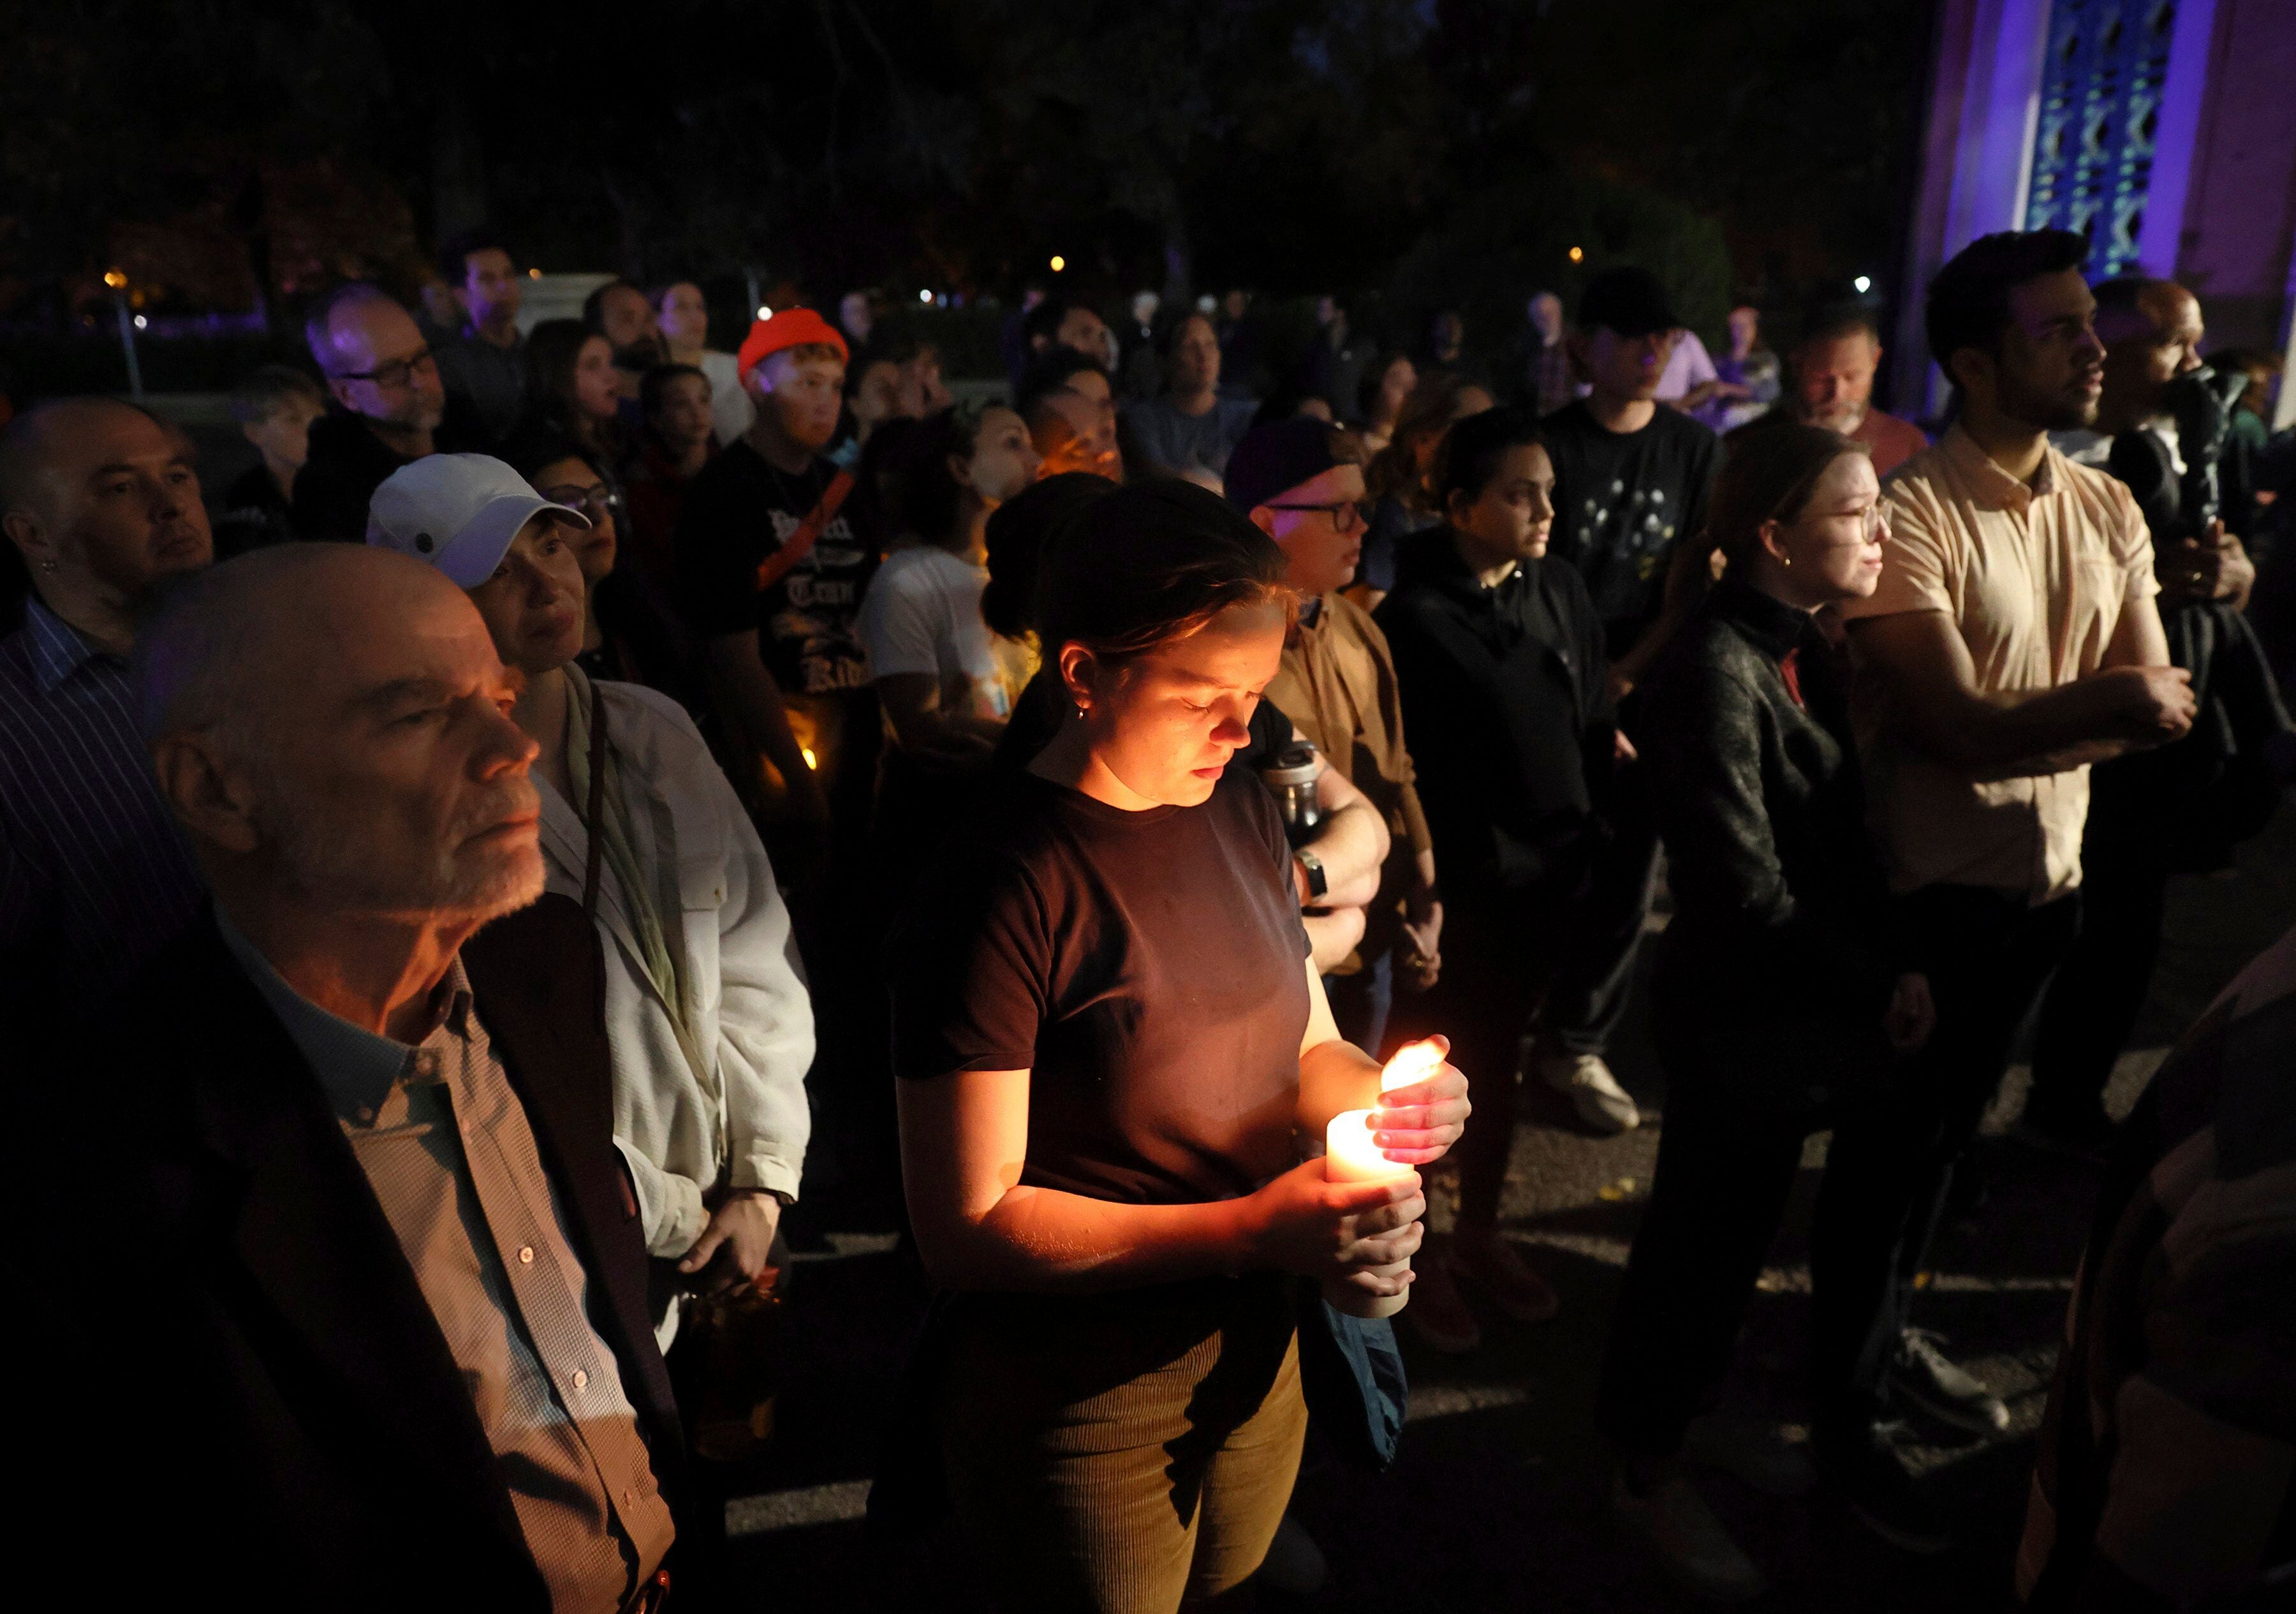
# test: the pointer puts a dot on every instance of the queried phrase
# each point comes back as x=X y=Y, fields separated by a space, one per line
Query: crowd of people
x=576 y=761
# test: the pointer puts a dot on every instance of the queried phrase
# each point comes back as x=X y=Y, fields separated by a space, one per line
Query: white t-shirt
x=730 y=408
x=923 y=614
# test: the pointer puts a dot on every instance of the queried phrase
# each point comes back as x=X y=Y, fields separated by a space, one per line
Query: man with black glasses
x=1301 y=482
x=385 y=378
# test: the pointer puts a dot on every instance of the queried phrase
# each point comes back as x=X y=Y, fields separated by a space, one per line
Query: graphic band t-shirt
x=1622 y=500
x=738 y=511
x=1146 y=969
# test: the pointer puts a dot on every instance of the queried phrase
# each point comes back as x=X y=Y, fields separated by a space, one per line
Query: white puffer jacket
x=750 y=1011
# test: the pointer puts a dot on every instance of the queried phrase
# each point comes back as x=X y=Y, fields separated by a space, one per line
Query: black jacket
x=241 y=1333
x=2187 y=804
x=1782 y=952
x=1505 y=699
x=347 y=462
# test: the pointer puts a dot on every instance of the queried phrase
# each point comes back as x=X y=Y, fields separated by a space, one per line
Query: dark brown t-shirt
x=1144 y=967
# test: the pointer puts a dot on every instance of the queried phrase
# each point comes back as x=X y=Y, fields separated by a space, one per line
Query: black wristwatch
x=1319 y=881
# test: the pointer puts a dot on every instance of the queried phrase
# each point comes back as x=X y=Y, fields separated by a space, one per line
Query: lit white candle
x=1414 y=1062
x=1349 y=1156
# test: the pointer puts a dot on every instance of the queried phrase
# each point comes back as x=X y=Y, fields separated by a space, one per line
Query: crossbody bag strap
x=592 y=820
x=779 y=563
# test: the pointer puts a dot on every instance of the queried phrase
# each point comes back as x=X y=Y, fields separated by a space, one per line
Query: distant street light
x=925 y=297
x=1059 y=263
x=117 y=279
x=141 y=322
x=764 y=312
x=534 y=274
x=1578 y=255
x=1864 y=283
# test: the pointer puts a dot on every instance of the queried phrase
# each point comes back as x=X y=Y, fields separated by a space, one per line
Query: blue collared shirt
x=95 y=874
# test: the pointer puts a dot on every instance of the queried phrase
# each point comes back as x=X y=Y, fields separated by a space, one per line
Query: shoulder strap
x=777 y=566
x=591 y=817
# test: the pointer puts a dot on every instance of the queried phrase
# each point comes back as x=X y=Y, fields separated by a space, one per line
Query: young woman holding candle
x=1111 y=1042
x=1784 y=1003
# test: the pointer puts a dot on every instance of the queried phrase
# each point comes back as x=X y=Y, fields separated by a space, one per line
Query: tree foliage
x=1453 y=148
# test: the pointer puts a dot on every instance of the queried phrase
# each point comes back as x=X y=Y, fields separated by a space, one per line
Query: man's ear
x=1969 y=366
x=340 y=390
x=1264 y=518
x=208 y=798
x=34 y=539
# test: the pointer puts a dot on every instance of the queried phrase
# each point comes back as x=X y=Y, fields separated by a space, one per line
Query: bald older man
x=391 y=409
x=101 y=504
x=387 y=1275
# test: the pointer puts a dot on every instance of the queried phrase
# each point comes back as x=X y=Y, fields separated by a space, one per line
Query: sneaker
x=2082 y=1134
x=1603 y=1105
x=1294 y=1564
x=1491 y=1264
x=1923 y=1377
x=1438 y=1313
x=1862 y=1466
x=1693 y=1549
x=1753 y=1449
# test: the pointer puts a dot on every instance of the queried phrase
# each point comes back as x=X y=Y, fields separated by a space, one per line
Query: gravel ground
x=1498 y=1499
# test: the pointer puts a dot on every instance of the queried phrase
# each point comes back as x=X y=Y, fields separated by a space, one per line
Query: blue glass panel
x=2101 y=85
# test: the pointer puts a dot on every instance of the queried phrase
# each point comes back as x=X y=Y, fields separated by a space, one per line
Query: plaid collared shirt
x=95 y=876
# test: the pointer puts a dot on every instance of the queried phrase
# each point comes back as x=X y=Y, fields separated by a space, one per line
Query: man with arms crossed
x=2013 y=642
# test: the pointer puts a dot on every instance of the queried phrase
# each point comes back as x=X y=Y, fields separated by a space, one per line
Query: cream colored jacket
x=750 y=1013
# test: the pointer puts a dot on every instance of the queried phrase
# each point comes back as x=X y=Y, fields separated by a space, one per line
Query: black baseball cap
x=1277 y=457
x=1627 y=300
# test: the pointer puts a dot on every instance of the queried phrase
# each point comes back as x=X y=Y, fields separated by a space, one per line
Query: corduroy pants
x=1124 y=1454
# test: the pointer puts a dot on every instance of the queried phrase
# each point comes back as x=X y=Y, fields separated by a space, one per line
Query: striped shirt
x=95 y=874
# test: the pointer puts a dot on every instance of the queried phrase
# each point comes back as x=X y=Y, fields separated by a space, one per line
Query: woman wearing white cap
x=707 y=1015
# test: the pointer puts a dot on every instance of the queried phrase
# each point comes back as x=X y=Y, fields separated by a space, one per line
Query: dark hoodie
x=1506 y=698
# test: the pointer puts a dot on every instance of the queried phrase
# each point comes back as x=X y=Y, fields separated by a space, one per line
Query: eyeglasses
x=1873 y=522
x=1346 y=515
x=597 y=498
x=397 y=372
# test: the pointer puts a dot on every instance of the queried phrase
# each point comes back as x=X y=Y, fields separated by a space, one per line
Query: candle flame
x=1413 y=1063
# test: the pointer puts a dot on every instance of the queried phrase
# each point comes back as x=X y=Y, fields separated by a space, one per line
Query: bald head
x=330 y=722
x=101 y=501
x=237 y=645
x=376 y=362
x=45 y=447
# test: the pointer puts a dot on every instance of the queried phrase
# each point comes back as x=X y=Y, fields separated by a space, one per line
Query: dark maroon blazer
x=242 y=1352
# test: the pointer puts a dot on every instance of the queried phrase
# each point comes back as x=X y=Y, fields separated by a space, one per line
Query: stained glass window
x=2101 y=88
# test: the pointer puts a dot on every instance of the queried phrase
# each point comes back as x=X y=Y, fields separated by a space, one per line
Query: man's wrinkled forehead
x=368 y=656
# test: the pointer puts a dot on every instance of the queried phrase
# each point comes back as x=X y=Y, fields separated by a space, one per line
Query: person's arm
x=671 y=1212
x=923 y=720
x=2134 y=702
x=1688 y=574
x=964 y=1144
x=765 y=1043
x=1351 y=843
x=755 y=714
x=1704 y=739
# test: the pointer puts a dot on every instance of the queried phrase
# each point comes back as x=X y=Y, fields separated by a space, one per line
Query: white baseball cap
x=457 y=512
